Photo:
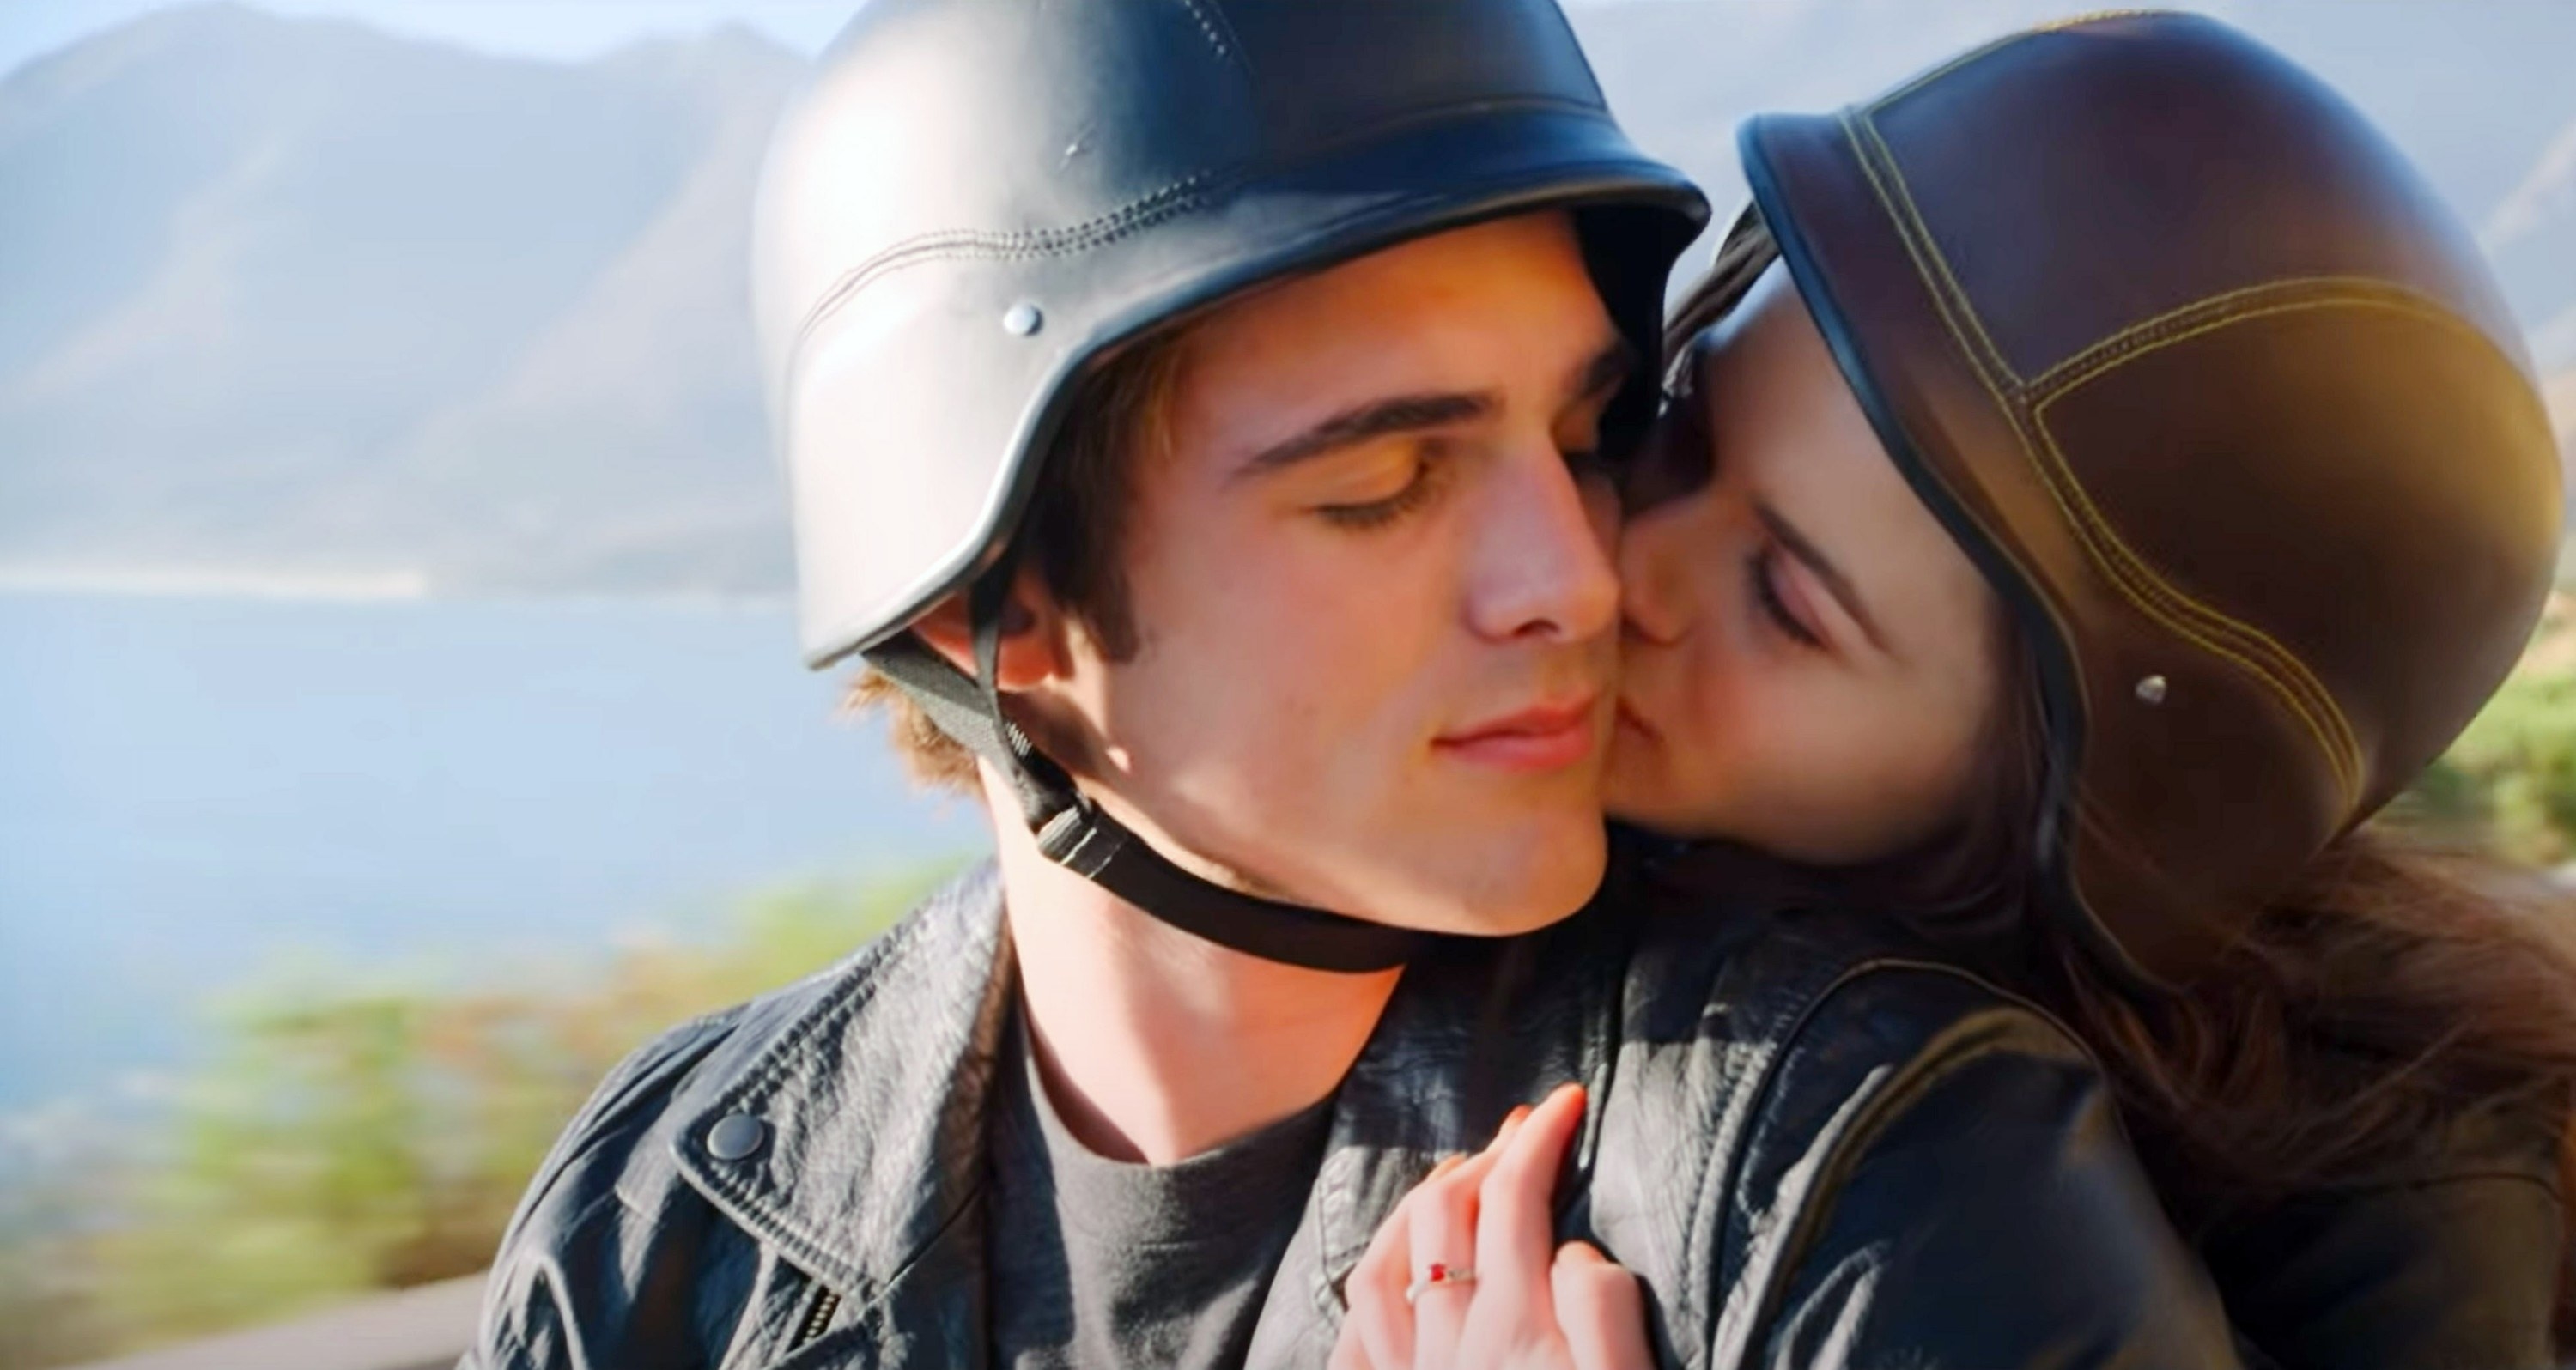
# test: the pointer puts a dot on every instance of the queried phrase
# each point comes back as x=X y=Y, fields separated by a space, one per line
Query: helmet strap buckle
x=1075 y=833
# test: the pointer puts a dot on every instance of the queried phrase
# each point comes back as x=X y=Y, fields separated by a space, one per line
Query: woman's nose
x=1655 y=590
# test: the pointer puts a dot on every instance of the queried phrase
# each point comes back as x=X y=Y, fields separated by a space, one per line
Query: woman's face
x=1809 y=658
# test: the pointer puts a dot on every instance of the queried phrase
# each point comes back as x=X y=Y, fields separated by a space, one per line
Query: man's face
x=1371 y=571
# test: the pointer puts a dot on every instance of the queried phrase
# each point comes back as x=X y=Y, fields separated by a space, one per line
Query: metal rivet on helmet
x=2151 y=690
x=1023 y=319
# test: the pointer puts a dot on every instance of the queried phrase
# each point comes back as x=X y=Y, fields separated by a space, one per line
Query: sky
x=564 y=30
x=567 y=30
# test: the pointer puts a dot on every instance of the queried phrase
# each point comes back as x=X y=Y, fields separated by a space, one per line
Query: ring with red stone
x=1436 y=1277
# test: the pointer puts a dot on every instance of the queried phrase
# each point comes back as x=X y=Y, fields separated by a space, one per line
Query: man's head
x=1363 y=585
x=1185 y=239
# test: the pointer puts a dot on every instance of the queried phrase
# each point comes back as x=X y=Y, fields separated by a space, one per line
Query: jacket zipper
x=817 y=1319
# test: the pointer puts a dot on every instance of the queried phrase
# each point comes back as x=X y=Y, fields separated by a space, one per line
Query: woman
x=2098 y=478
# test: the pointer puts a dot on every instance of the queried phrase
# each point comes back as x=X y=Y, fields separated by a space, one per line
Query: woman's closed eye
x=1776 y=598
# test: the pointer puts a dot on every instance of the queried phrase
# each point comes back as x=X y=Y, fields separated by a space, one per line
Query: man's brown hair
x=1074 y=535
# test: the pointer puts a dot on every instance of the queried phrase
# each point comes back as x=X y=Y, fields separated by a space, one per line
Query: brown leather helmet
x=2225 y=403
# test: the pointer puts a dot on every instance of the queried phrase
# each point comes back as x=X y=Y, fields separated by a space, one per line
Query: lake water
x=198 y=792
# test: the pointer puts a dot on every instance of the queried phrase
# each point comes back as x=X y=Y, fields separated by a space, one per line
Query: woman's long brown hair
x=2396 y=984
x=2399 y=983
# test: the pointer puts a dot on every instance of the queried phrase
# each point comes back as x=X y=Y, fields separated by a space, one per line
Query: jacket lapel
x=1476 y=1027
x=870 y=1111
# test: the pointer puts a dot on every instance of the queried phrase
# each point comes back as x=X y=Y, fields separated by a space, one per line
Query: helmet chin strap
x=1077 y=834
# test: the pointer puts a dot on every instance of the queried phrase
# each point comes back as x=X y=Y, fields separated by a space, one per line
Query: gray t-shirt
x=1099 y=1264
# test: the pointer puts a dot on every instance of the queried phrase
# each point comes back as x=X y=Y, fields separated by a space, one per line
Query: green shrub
x=2511 y=779
x=2509 y=783
x=350 y=1140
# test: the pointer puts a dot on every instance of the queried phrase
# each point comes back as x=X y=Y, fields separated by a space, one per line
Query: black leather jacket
x=1814 y=1148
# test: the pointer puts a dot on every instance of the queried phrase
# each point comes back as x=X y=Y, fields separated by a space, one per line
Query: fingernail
x=1447 y=1163
x=1512 y=1123
x=1581 y=1251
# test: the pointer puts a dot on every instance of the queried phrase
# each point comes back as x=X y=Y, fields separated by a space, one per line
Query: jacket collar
x=872 y=1100
x=875 y=1095
x=1477 y=1027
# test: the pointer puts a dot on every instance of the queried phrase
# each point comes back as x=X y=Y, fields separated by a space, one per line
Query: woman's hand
x=1467 y=1273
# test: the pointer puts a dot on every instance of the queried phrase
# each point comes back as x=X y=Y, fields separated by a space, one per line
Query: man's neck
x=1156 y=1045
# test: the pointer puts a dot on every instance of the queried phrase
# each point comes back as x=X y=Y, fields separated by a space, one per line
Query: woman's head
x=1811 y=661
x=2177 y=351
x=2119 y=484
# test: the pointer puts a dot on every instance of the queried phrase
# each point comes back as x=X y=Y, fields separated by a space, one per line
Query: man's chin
x=1520 y=890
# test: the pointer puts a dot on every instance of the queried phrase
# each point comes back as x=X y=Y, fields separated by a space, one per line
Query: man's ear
x=1033 y=638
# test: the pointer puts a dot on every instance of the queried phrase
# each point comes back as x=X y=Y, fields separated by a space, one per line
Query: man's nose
x=1543 y=557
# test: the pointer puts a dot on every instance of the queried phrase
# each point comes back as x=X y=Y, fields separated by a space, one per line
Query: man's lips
x=1544 y=738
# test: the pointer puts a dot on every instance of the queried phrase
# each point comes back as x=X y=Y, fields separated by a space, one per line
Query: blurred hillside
x=300 y=301
x=357 y=1137
x=298 y=298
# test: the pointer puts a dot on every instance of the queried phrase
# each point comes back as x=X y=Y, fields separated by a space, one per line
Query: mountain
x=296 y=300
x=302 y=297
x=2528 y=233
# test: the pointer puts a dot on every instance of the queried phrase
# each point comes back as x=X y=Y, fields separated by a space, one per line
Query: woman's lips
x=1547 y=738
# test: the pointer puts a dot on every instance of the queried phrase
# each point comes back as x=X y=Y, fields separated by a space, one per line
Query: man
x=1194 y=410
x=1235 y=379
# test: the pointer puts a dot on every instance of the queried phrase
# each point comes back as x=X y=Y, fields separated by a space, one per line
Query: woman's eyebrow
x=1838 y=584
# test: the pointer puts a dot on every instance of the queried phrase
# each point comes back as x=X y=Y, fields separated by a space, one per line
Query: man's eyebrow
x=1815 y=559
x=1604 y=370
x=1366 y=422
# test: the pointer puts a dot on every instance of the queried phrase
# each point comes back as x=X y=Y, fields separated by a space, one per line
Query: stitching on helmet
x=1220 y=34
x=2248 y=647
x=2217 y=311
x=1177 y=198
x=1988 y=360
x=1183 y=196
x=2207 y=317
x=1977 y=54
x=2262 y=657
x=2226 y=310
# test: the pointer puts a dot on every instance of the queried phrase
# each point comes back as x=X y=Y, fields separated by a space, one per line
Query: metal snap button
x=2151 y=690
x=737 y=1137
x=1023 y=319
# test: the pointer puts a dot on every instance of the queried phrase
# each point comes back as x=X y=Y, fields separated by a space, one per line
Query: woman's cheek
x=1823 y=766
x=1752 y=724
